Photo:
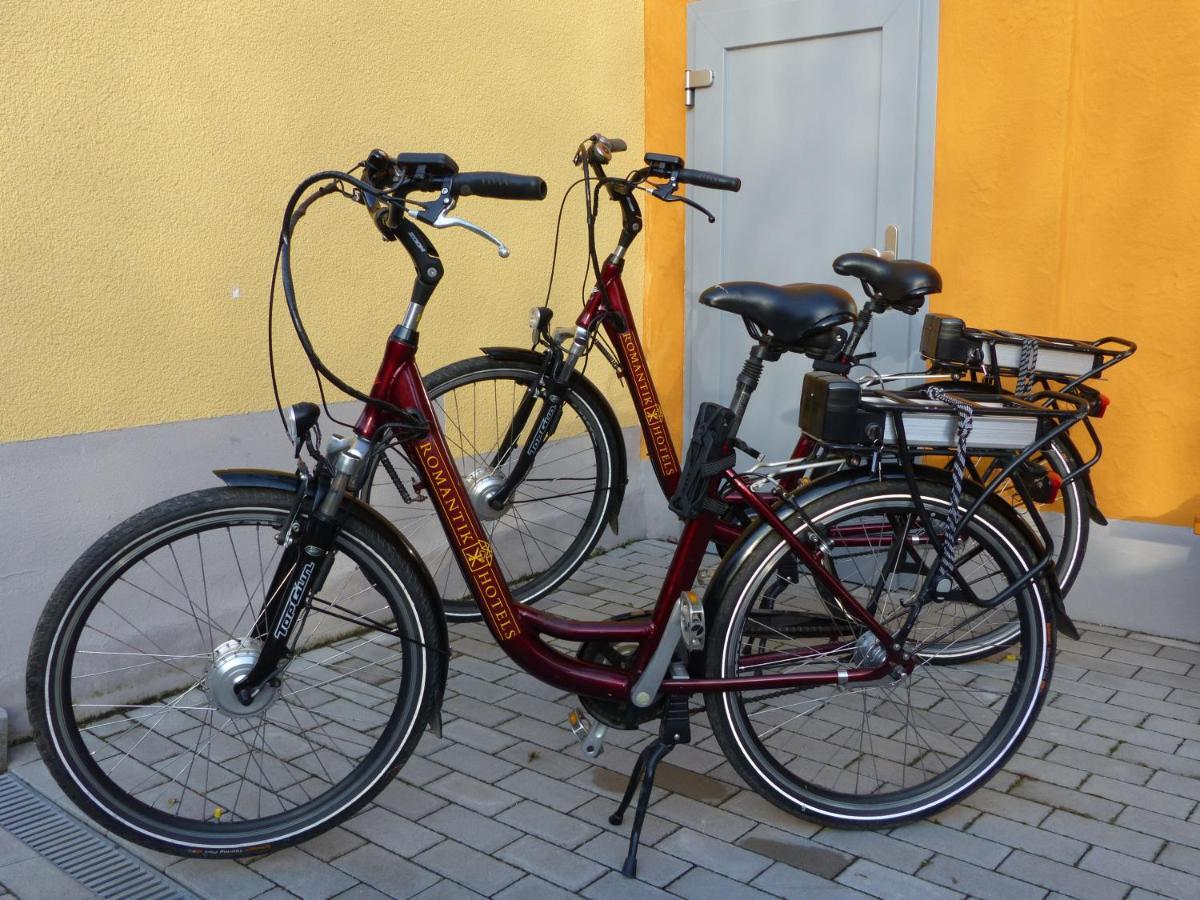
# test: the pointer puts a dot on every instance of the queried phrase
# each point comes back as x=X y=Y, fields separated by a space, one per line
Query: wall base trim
x=1142 y=577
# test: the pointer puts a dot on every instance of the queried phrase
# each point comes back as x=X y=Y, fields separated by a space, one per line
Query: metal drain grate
x=90 y=859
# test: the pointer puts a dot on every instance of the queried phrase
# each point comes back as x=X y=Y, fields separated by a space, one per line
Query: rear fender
x=1077 y=460
x=581 y=384
x=289 y=482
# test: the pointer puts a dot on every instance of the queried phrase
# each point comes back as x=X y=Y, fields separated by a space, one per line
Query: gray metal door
x=824 y=109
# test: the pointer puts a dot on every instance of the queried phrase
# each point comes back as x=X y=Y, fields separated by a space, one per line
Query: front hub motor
x=482 y=485
x=232 y=661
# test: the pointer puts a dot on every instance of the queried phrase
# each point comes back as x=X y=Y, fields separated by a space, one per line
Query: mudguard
x=1093 y=509
x=288 y=481
x=581 y=384
x=759 y=531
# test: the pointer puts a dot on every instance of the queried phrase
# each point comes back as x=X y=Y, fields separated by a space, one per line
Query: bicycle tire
x=127 y=742
x=834 y=762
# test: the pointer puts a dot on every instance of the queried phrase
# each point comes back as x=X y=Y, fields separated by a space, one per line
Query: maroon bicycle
x=542 y=453
x=238 y=669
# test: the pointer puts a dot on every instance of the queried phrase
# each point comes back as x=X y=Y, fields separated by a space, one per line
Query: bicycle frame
x=518 y=628
x=609 y=304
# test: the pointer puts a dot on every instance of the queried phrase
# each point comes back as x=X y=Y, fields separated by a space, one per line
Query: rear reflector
x=1055 y=482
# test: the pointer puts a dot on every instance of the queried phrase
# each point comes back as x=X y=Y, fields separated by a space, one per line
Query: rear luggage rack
x=840 y=415
x=949 y=344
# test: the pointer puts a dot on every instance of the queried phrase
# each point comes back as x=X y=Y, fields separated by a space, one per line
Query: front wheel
x=878 y=753
x=557 y=514
x=131 y=676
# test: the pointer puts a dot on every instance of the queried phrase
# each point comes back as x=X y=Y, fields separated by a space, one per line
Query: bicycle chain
x=395 y=476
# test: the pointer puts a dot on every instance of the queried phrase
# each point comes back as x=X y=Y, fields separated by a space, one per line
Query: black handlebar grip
x=617 y=145
x=500 y=185
x=709 y=180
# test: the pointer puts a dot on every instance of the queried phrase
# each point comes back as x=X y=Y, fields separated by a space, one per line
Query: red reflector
x=1055 y=482
x=1101 y=407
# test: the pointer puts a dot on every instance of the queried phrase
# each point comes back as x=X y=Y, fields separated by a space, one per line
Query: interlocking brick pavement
x=1103 y=800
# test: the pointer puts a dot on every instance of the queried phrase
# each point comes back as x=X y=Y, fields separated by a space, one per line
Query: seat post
x=860 y=327
x=748 y=379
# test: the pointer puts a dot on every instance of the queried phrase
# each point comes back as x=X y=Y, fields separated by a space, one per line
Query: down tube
x=505 y=618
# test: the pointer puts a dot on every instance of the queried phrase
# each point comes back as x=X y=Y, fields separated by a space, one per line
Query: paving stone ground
x=1103 y=801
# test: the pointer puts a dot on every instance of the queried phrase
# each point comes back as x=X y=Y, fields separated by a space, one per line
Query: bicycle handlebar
x=713 y=180
x=499 y=185
x=407 y=172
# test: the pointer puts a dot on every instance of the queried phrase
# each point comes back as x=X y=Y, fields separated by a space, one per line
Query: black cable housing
x=405 y=417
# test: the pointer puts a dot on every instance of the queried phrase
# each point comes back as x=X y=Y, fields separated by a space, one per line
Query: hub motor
x=232 y=661
x=482 y=484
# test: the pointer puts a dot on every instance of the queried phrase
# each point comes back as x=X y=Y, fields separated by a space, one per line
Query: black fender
x=582 y=385
x=1077 y=460
x=290 y=482
x=760 y=531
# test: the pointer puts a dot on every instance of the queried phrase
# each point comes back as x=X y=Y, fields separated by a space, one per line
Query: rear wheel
x=877 y=753
x=132 y=670
x=557 y=514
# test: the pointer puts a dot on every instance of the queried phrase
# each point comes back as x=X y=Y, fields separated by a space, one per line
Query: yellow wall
x=1066 y=202
x=148 y=151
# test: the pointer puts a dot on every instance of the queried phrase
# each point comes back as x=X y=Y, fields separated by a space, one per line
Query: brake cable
x=557 y=230
x=409 y=418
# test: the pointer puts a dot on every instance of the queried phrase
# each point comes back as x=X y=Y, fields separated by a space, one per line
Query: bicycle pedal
x=590 y=736
x=691 y=620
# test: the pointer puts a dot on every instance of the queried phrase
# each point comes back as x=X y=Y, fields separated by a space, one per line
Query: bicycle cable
x=557 y=231
x=292 y=214
x=303 y=208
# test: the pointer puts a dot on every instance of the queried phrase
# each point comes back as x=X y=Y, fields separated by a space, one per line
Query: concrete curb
x=3 y=740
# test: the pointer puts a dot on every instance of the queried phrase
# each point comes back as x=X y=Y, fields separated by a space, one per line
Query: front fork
x=304 y=565
x=552 y=384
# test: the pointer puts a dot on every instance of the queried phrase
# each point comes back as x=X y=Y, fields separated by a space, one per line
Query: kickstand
x=675 y=729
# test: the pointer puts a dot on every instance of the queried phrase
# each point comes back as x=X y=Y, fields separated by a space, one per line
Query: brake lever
x=444 y=221
x=434 y=213
x=675 y=198
x=666 y=193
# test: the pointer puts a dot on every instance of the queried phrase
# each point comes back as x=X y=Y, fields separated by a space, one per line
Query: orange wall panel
x=666 y=132
x=1065 y=202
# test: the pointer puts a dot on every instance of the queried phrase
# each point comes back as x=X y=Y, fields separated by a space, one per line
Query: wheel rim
x=876 y=751
x=149 y=739
x=551 y=521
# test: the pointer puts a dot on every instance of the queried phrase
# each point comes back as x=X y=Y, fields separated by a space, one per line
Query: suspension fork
x=552 y=380
x=303 y=567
